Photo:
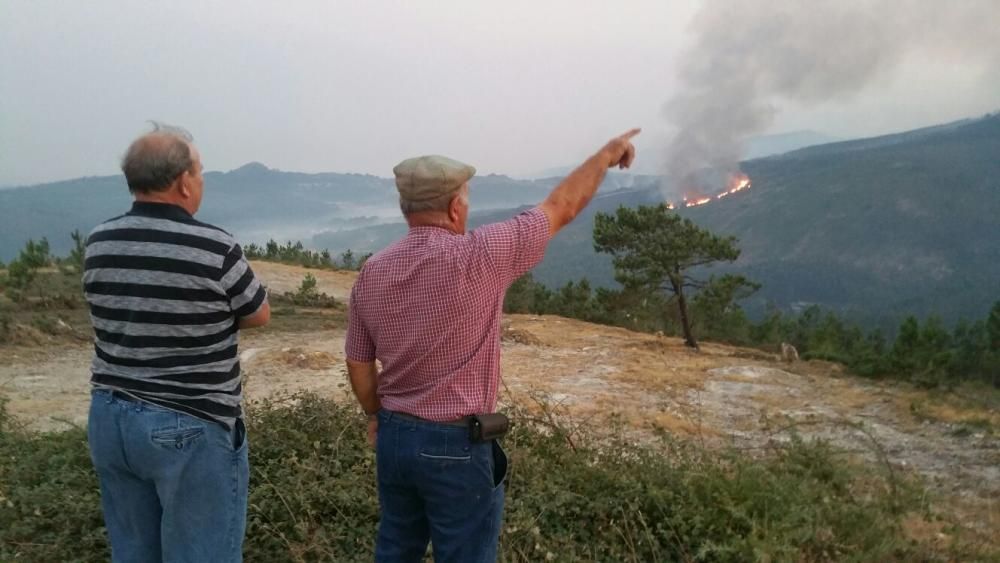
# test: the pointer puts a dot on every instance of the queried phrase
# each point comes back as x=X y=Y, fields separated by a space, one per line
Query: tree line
x=660 y=260
x=296 y=254
x=36 y=255
x=20 y=274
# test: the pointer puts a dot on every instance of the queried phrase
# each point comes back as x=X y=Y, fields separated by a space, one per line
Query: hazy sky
x=511 y=87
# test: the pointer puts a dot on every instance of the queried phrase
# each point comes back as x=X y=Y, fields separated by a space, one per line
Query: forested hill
x=874 y=228
x=254 y=202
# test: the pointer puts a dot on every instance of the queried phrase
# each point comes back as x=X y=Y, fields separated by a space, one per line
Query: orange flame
x=701 y=201
x=736 y=183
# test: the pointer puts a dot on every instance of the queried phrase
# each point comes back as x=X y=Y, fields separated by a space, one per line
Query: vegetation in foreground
x=313 y=497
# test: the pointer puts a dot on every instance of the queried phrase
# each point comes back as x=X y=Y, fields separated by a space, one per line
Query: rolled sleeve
x=358 y=346
x=516 y=245
x=245 y=292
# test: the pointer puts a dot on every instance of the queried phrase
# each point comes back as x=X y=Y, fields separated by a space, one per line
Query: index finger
x=631 y=133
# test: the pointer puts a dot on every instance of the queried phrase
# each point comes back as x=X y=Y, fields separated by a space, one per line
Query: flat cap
x=426 y=177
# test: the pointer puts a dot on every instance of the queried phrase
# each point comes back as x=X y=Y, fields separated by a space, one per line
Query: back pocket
x=446 y=447
x=445 y=457
x=178 y=438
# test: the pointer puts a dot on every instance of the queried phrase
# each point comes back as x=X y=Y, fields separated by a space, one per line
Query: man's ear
x=184 y=184
x=453 y=208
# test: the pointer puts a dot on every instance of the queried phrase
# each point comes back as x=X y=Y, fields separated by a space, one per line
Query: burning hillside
x=736 y=183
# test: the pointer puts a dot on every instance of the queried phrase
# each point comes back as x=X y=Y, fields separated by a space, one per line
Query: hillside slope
x=874 y=228
x=722 y=396
x=898 y=223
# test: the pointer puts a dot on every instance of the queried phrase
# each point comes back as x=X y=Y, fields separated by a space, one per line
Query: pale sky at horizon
x=513 y=87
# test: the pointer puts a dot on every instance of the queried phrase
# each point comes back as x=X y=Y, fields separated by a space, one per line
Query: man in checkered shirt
x=428 y=308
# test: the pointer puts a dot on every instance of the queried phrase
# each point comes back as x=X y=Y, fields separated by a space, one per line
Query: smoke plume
x=750 y=55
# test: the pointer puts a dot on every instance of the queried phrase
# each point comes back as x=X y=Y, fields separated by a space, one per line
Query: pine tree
x=655 y=251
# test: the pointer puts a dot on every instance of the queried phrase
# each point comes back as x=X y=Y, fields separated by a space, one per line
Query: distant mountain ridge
x=252 y=201
x=874 y=228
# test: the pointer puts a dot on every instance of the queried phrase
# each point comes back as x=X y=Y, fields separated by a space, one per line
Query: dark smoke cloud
x=750 y=55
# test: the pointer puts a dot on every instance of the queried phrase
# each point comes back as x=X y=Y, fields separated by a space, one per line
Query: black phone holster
x=486 y=427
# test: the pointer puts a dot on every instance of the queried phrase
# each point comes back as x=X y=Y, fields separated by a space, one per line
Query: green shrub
x=312 y=481
x=49 y=498
x=307 y=288
x=20 y=275
x=313 y=497
x=46 y=324
x=22 y=271
x=307 y=295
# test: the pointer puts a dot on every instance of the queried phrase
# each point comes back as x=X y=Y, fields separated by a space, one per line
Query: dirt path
x=51 y=391
x=722 y=395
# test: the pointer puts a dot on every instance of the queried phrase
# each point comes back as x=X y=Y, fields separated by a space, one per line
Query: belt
x=124 y=396
x=462 y=422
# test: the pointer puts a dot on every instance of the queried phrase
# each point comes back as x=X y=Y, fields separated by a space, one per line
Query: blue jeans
x=434 y=484
x=173 y=486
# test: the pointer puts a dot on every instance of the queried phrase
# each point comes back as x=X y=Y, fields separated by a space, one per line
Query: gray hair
x=156 y=159
x=439 y=203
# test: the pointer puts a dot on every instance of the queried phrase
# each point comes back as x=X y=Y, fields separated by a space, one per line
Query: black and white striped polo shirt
x=165 y=294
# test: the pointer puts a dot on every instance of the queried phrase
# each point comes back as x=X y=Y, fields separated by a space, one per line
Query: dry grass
x=300 y=358
x=954 y=409
x=280 y=278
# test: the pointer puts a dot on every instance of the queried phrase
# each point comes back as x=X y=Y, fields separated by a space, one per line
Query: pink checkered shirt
x=429 y=307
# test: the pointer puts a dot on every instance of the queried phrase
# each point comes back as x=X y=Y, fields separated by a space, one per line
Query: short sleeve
x=245 y=292
x=358 y=346
x=514 y=246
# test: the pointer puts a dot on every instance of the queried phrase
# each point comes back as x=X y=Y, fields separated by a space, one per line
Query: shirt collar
x=159 y=210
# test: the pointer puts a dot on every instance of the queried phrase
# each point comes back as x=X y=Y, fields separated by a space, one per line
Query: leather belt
x=462 y=422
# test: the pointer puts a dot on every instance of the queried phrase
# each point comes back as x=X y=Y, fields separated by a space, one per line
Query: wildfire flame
x=737 y=183
x=701 y=201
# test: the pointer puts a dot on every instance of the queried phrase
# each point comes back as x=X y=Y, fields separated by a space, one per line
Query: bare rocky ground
x=721 y=395
x=281 y=278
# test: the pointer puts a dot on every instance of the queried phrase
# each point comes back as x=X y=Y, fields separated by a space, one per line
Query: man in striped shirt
x=168 y=295
x=428 y=308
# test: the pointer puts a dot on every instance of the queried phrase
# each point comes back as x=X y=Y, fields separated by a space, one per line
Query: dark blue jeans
x=434 y=484
x=173 y=486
